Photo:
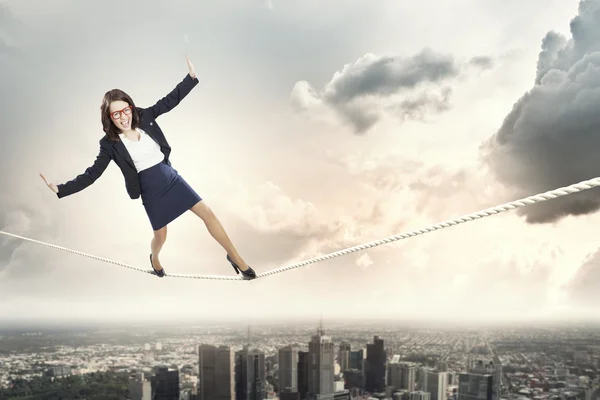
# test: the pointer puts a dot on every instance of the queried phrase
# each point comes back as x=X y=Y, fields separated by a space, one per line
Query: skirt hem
x=165 y=194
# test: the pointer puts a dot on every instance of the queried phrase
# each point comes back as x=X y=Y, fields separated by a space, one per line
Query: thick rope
x=564 y=191
x=552 y=194
x=120 y=264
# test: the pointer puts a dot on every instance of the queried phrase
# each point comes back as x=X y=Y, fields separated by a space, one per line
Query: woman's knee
x=161 y=234
x=202 y=210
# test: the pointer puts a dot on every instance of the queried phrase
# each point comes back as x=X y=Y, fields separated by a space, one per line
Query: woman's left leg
x=158 y=240
x=218 y=232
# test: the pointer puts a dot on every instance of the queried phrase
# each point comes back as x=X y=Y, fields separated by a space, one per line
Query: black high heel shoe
x=159 y=273
x=247 y=274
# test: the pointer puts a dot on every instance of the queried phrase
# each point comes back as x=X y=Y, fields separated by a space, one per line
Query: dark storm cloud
x=418 y=78
x=417 y=107
x=551 y=137
x=388 y=75
x=551 y=45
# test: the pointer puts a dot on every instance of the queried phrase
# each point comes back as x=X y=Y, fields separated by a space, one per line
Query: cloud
x=396 y=194
x=363 y=91
x=583 y=289
x=482 y=62
x=550 y=137
x=513 y=283
x=269 y=4
x=18 y=257
x=12 y=222
x=293 y=228
x=390 y=195
x=388 y=204
x=364 y=261
x=19 y=214
x=350 y=200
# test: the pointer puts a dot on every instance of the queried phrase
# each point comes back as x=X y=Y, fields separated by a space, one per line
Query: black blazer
x=116 y=151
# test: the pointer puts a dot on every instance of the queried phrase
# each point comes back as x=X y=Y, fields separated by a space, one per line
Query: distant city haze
x=314 y=127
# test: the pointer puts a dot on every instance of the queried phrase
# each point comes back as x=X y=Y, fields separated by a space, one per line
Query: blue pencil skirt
x=165 y=194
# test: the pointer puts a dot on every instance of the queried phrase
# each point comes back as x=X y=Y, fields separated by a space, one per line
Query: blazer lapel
x=149 y=133
x=121 y=149
x=152 y=136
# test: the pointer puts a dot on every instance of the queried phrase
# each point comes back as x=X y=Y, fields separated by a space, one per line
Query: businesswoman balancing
x=135 y=142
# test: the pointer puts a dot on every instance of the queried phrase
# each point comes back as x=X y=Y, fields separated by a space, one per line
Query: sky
x=314 y=127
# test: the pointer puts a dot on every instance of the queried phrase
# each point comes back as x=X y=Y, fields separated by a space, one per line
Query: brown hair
x=107 y=124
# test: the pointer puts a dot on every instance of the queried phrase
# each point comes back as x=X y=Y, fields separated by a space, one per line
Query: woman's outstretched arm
x=83 y=180
x=171 y=100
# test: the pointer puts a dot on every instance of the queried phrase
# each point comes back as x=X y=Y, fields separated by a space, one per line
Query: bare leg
x=218 y=232
x=160 y=236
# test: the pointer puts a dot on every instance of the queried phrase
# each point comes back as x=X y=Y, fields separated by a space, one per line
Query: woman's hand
x=192 y=72
x=52 y=186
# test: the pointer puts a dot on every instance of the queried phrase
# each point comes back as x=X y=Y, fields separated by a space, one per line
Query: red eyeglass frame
x=120 y=111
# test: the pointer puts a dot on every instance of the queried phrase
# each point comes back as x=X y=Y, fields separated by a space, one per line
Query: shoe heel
x=235 y=267
x=160 y=273
x=247 y=274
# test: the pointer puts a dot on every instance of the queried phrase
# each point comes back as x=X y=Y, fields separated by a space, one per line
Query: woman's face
x=120 y=114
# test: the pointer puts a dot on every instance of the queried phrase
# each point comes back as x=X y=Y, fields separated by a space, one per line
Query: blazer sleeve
x=88 y=177
x=171 y=100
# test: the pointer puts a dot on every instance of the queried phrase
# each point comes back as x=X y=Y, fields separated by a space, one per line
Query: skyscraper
x=288 y=369
x=489 y=367
x=475 y=387
x=356 y=359
x=250 y=379
x=165 y=384
x=376 y=365
x=422 y=376
x=436 y=384
x=303 y=373
x=394 y=376
x=321 y=367
x=140 y=388
x=344 y=356
x=409 y=376
x=402 y=375
x=216 y=373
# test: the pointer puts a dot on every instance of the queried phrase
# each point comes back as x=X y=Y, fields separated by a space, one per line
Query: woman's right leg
x=160 y=236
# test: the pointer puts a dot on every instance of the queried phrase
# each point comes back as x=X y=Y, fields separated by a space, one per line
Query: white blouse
x=145 y=152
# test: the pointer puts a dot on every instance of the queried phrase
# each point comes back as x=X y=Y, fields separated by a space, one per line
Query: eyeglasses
x=117 y=114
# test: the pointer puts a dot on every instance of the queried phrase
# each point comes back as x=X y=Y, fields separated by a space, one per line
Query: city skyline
x=427 y=364
x=314 y=127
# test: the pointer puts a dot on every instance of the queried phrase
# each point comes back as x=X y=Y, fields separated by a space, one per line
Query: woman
x=135 y=142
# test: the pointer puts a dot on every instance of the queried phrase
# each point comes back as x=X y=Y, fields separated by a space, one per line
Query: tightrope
x=552 y=194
